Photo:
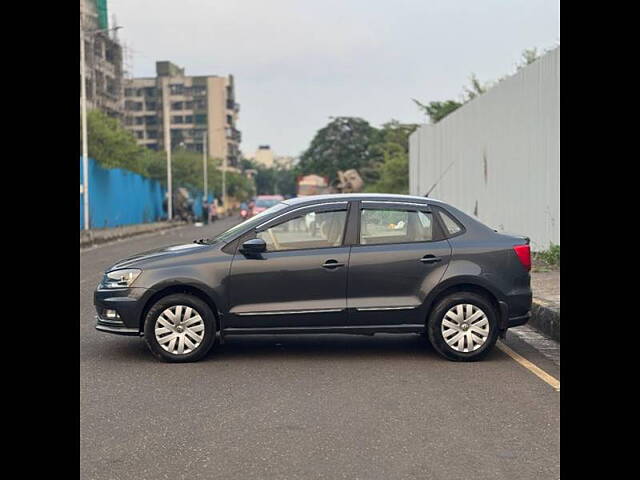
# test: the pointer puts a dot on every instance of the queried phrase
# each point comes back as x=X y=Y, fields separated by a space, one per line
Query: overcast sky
x=296 y=63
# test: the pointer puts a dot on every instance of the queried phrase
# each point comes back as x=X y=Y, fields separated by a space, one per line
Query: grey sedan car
x=373 y=263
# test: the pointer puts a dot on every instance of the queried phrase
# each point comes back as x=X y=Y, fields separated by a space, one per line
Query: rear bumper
x=517 y=321
x=510 y=318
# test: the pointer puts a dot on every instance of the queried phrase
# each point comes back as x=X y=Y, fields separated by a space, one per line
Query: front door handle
x=430 y=259
x=332 y=264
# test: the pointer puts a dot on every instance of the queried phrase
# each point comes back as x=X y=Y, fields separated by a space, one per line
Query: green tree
x=438 y=110
x=114 y=147
x=393 y=153
x=343 y=144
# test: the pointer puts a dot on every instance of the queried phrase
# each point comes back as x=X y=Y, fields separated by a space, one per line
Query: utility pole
x=224 y=185
x=167 y=146
x=205 y=156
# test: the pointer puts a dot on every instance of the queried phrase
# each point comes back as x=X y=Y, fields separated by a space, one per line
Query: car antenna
x=438 y=181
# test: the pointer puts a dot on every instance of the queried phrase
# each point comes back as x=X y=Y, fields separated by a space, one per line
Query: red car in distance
x=262 y=202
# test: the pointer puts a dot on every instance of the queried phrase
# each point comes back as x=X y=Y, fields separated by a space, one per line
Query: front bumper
x=116 y=329
x=128 y=303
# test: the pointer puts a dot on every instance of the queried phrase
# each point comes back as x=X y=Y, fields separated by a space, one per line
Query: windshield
x=262 y=202
x=249 y=224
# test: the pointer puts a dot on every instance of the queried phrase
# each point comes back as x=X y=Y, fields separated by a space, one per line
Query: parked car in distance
x=262 y=202
x=412 y=265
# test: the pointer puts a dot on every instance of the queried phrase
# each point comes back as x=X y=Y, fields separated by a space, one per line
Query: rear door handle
x=332 y=264
x=430 y=259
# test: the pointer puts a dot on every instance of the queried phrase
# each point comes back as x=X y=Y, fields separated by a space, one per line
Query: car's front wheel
x=463 y=326
x=180 y=328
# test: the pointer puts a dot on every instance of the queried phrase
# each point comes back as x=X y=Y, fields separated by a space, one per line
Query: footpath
x=89 y=238
x=545 y=313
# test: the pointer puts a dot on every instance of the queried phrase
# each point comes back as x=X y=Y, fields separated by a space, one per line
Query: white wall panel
x=504 y=152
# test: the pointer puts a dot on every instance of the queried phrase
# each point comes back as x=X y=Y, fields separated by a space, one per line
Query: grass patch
x=547 y=260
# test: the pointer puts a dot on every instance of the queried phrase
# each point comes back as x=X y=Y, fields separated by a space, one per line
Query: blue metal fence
x=120 y=197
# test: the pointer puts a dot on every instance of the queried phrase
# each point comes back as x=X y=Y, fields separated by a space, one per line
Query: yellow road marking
x=554 y=382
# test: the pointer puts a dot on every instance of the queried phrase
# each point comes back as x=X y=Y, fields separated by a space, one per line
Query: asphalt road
x=306 y=407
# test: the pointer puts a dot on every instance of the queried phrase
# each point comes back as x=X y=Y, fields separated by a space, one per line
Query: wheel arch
x=187 y=288
x=465 y=284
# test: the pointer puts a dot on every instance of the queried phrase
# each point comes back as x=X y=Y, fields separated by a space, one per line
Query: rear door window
x=380 y=226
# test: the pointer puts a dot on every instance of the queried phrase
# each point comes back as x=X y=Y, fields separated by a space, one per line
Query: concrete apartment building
x=183 y=108
x=266 y=157
x=103 y=59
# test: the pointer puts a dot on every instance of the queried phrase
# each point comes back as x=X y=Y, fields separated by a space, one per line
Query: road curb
x=90 y=238
x=545 y=317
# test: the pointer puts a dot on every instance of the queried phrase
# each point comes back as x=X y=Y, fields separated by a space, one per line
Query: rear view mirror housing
x=253 y=246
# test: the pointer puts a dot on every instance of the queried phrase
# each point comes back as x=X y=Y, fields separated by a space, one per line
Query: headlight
x=120 y=278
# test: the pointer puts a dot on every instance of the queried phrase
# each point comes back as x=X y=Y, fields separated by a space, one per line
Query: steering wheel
x=273 y=239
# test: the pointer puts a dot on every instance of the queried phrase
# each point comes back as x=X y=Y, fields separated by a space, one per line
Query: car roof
x=271 y=197
x=360 y=196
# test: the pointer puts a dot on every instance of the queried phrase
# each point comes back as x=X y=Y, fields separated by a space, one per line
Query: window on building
x=188 y=105
x=176 y=89
x=139 y=120
x=151 y=120
x=176 y=105
x=200 y=119
x=152 y=134
x=133 y=106
x=110 y=54
x=177 y=119
x=111 y=85
x=150 y=91
x=139 y=134
x=128 y=92
x=188 y=119
x=151 y=105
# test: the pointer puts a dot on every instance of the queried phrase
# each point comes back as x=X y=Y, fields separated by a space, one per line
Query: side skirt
x=353 y=330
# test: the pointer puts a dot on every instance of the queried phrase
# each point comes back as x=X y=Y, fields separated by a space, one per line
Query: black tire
x=434 y=326
x=199 y=306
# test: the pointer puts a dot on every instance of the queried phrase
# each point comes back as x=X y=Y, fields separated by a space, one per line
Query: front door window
x=307 y=231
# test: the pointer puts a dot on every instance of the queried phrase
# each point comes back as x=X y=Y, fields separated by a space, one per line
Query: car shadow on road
x=261 y=347
x=316 y=347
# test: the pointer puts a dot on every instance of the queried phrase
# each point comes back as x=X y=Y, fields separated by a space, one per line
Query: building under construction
x=103 y=59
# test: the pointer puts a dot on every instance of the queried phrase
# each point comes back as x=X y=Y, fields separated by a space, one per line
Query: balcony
x=231 y=105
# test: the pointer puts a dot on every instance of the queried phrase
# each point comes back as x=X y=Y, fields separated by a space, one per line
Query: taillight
x=524 y=254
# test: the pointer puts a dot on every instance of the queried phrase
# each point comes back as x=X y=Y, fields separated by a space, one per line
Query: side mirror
x=255 y=245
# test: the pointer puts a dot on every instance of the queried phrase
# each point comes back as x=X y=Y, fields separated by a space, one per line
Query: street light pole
x=83 y=110
x=224 y=185
x=167 y=140
x=204 y=164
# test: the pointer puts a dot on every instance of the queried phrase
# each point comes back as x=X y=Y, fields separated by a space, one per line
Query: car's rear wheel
x=463 y=326
x=180 y=328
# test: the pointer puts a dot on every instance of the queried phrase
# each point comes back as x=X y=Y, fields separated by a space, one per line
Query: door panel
x=289 y=288
x=400 y=258
x=389 y=283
